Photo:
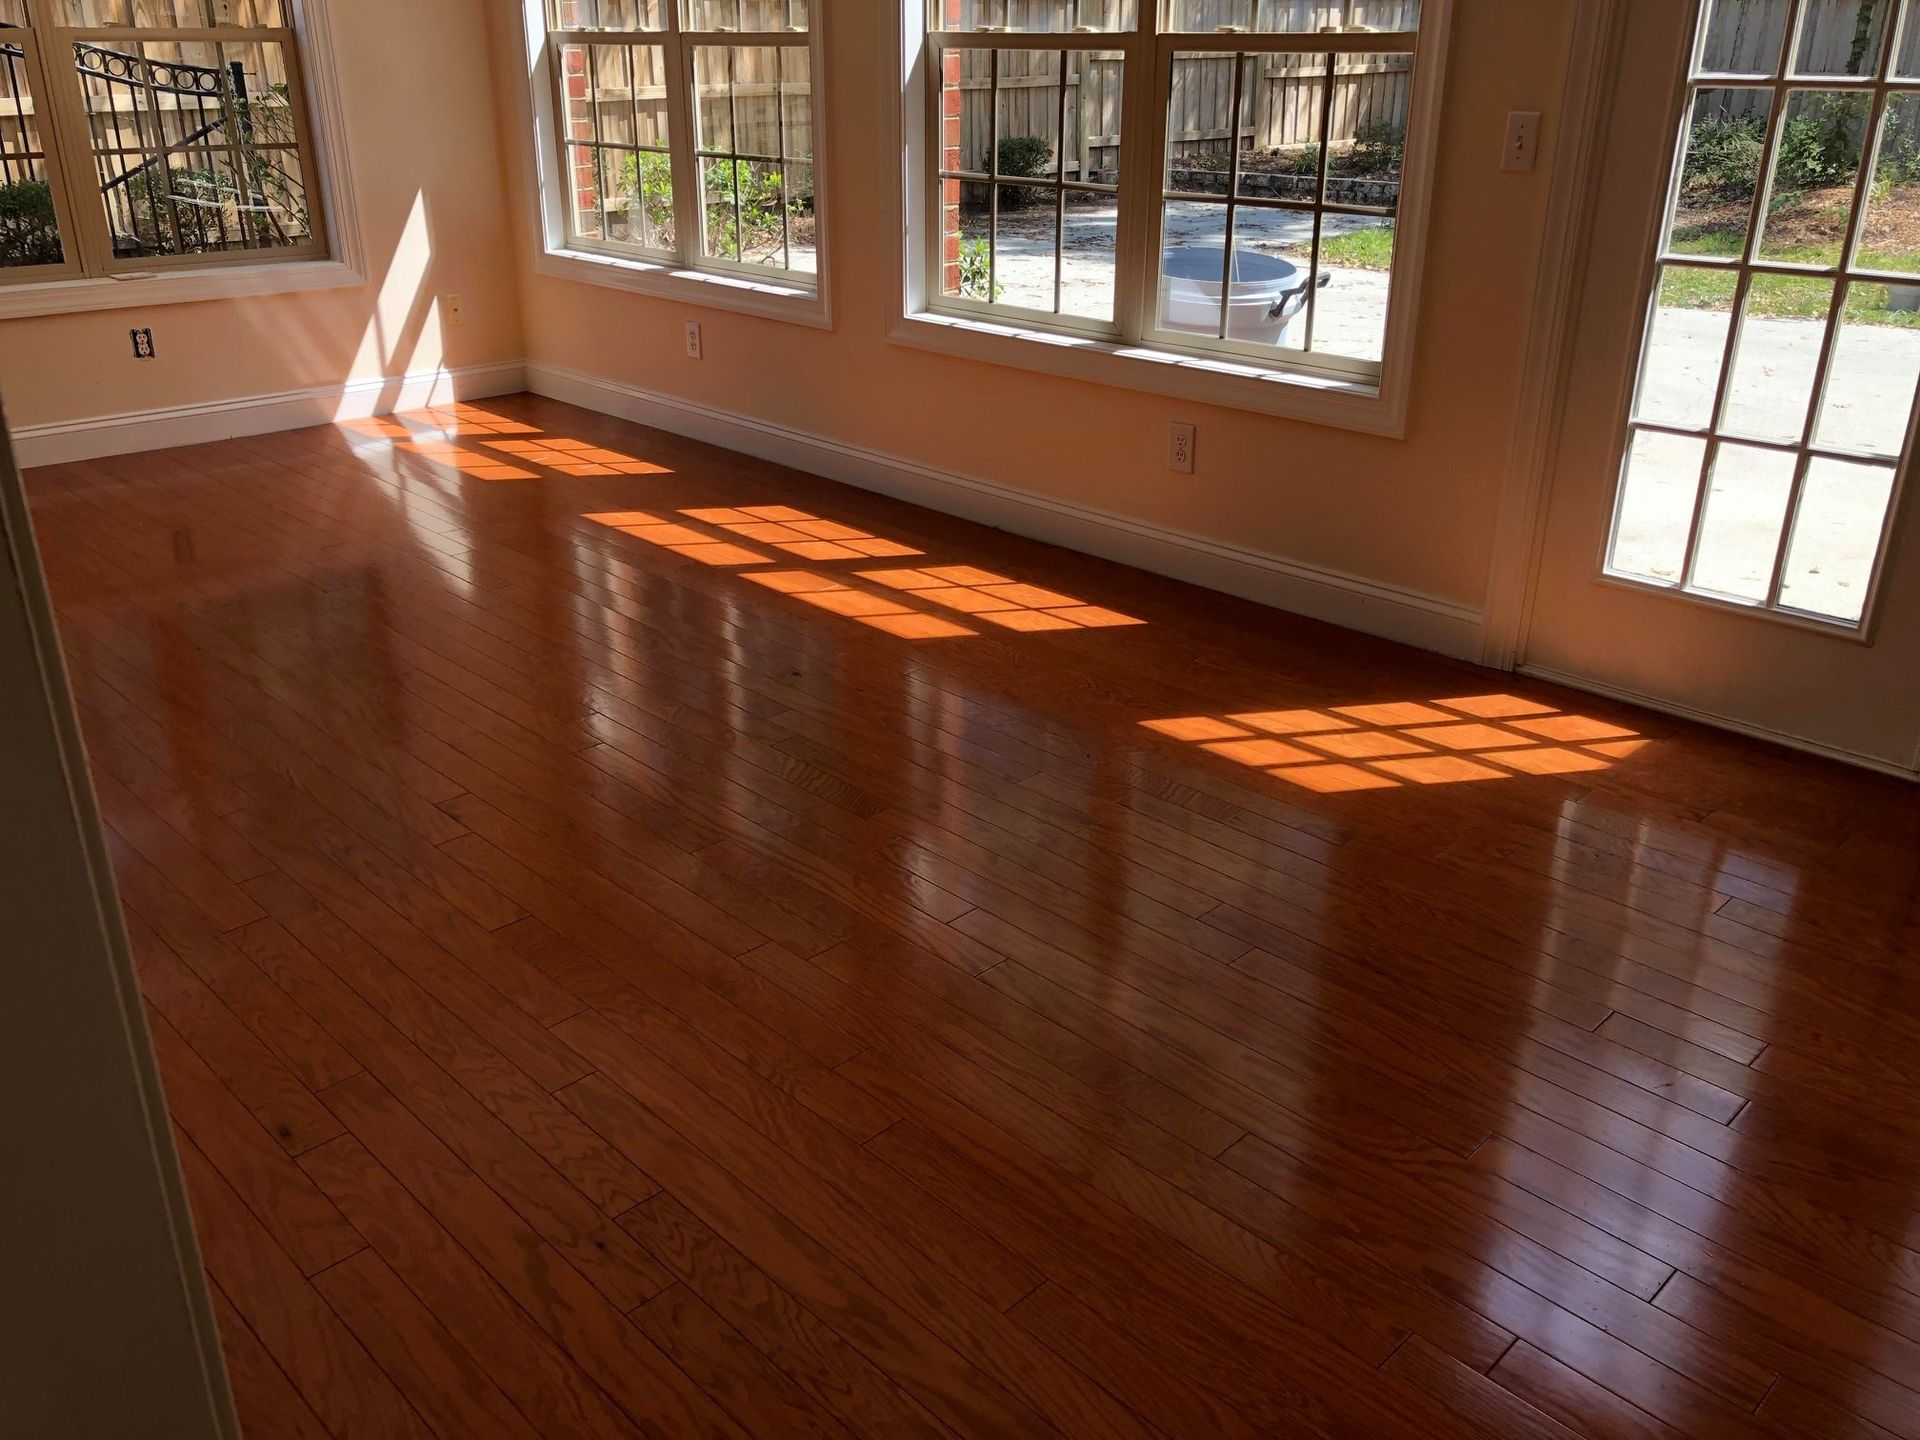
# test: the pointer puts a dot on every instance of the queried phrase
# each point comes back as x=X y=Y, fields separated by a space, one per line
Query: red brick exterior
x=950 y=157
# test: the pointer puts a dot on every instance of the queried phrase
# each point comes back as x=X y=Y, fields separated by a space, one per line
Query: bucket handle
x=1287 y=297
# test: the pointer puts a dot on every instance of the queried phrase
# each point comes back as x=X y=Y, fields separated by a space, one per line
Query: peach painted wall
x=421 y=129
x=1418 y=513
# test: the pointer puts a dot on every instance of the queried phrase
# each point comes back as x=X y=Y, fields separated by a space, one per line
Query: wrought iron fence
x=189 y=158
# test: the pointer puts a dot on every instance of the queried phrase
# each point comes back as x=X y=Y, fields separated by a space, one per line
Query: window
x=1212 y=177
x=1773 y=410
x=143 y=135
x=685 y=133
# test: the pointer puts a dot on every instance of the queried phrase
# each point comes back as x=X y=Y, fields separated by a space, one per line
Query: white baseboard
x=1329 y=595
x=1721 y=722
x=259 y=414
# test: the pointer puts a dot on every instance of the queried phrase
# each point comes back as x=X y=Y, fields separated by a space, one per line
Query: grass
x=1369 y=249
x=1781 y=298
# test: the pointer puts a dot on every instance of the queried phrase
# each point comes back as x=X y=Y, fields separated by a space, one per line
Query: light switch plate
x=1522 y=150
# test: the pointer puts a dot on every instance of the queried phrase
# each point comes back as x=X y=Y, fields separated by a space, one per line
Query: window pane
x=1906 y=58
x=966 y=111
x=621 y=173
x=1094 y=93
x=1890 y=239
x=1836 y=538
x=1744 y=37
x=1201 y=138
x=803 y=244
x=1030 y=16
x=1058 y=116
x=1272 y=17
x=29 y=225
x=1686 y=346
x=196 y=146
x=1656 y=506
x=1088 y=255
x=607 y=14
x=1028 y=99
x=1350 y=305
x=967 y=268
x=745 y=15
x=1819 y=159
x=1369 y=149
x=1726 y=145
x=1842 y=39
x=1876 y=372
x=756 y=171
x=1746 y=507
x=173 y=14
x=640 y=206
x=1024 y=246
x=1777 y=357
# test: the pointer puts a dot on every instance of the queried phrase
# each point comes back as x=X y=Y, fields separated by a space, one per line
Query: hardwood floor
x=641 y=940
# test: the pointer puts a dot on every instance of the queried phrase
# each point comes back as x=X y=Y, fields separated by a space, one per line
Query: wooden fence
x=1281 y=94
x=1744 y=36
x=739 y=91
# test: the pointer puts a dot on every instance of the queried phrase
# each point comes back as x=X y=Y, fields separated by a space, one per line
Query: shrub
x=1723 y=157
x=1306 y=160
x=976 y=270
x=1023 y=157
x=1380 y=148
x=648 y=177
x=1820 y=145
x=29 y=228
x=1899 y=164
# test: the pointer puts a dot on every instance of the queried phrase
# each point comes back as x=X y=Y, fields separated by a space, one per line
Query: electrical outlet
x=1522 y=150
x=695 y=349
x=143 y=343
x=455 y=308
x=1180 y=447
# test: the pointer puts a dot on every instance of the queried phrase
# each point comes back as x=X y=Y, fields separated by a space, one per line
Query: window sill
x=1343 y=404
x=713 y=289
x=214 y=282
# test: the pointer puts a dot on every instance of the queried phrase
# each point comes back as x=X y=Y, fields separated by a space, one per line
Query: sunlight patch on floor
x=1383 y=746
x=714 y=535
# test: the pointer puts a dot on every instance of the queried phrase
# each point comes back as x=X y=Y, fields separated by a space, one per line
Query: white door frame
x=1533 y=453
x=1533 y=449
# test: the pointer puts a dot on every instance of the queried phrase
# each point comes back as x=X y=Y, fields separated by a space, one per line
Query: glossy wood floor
x=639 y=940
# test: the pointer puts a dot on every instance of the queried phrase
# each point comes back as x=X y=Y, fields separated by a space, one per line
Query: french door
x=1729 y=528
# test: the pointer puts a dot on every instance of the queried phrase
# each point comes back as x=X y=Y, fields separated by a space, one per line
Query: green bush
x=1899 y=164
x=1306 y=160
x=1024 y=157
x=1820 y=145
x=1723 y=156
x=758 y=221
x=976 y=270
x=648 y=178
x=29 y=228
x=1380 y=148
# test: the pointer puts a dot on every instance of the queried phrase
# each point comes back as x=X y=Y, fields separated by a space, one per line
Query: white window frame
x=1881 y=85
x=1133 y=355
x=687 y=275
x=339 y=263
